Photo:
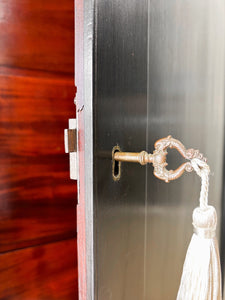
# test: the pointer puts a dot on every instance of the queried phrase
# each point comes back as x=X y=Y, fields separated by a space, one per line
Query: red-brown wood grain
x=37 y=35
x=44 y=272
x=37 y=199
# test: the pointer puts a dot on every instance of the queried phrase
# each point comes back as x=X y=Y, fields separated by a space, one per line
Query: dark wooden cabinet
x=144 y=69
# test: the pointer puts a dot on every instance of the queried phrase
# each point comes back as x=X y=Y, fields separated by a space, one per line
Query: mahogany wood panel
x=37 y=198
x=45 y=272
x=37 y=35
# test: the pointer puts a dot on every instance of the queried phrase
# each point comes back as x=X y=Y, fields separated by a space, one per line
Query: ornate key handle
x=158 y=158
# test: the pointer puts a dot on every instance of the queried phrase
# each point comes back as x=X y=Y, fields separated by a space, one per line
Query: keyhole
x=116 y=165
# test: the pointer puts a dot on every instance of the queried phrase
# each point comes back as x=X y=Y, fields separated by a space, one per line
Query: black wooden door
x=151 y=68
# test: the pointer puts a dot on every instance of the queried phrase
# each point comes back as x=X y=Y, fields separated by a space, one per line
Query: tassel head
x=205 y=221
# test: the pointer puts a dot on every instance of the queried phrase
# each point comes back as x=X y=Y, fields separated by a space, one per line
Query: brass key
x=158 y=158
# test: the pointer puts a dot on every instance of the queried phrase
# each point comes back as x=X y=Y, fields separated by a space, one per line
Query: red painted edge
x=79 y=77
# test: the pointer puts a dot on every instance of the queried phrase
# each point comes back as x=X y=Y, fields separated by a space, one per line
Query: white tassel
x=201 y=278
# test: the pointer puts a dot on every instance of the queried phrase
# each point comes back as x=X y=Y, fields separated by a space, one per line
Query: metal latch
x=70 y=141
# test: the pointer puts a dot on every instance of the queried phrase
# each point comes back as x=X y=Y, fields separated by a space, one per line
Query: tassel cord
x=203 y=170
